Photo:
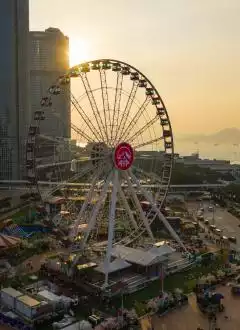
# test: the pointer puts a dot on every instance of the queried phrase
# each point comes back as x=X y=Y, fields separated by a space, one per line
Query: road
x=222 y=219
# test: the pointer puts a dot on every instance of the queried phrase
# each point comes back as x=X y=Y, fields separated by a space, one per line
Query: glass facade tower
x=14 y=83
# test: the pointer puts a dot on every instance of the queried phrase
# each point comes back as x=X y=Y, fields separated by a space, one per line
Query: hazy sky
x=190 y=49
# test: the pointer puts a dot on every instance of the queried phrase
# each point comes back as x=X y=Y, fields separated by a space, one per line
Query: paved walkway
x=189 y=317
x=33 y=264
x=35 y=261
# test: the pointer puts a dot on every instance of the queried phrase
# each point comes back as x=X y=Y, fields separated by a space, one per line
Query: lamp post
x=212 y=320
x=162 y=278
x=213 y=215
x=122 y=306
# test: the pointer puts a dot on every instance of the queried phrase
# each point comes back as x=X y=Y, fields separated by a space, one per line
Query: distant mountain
x=225 y=136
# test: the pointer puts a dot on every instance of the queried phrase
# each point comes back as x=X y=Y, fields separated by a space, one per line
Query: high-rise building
x=49 y=53
x=14 y=82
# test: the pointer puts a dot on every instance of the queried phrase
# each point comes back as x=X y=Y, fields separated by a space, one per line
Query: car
x=210 y=208
x=218 y=231
x=200 y=217
x=206 y=222
x=213 y=227
x=201 y=209
x=232 y=239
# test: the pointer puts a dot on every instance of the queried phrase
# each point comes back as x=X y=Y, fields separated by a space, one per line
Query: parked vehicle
x=236 y=290
x=218 y=232
x=232 y=239
x=225 y=238
x=213 y=227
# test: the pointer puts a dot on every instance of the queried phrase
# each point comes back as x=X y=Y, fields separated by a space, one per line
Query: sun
x=78 y=51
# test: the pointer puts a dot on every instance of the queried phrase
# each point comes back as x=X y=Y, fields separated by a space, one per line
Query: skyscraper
x=14 y=82
x=49 y=59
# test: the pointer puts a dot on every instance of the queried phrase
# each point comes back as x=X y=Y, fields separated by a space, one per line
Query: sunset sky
x=189 y=49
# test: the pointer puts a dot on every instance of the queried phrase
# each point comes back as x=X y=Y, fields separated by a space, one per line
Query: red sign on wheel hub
x=123 y=156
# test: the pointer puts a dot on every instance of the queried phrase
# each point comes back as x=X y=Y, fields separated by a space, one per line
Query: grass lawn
x=184 y=280
x=21 y=213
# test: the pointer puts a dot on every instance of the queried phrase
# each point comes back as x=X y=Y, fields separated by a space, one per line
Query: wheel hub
x=123 y=156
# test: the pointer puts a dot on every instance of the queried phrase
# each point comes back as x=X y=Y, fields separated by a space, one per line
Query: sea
x=208 y=151
x=205 y=150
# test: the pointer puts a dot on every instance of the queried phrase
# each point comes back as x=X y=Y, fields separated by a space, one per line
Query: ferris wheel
x=114 y=181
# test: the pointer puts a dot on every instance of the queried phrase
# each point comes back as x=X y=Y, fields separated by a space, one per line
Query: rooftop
x=12 y=292
x=115 y=265
x=49 y=295
x=136 y=256
x=8 y=241
x=163 y=250
x=28 y=301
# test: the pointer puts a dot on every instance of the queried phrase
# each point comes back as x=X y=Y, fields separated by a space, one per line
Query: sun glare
x=79 y=51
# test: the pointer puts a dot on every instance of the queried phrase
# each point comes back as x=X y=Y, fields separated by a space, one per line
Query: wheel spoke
x=127 y=207
x=143 y=129
x=60 y=185
x=111 y=225
x=150 y=175
x=96 y=113
x=136 y=117
x=126 y=111
x=81 y=133
x=96 y=209
x=87 y=201
x=139 y=208
x=156 y=209
x=116 y=107
x=158 y=186
x=85 y=159
x=147 y=143
x=50 y=138
x=105 y=100
x=85 y=118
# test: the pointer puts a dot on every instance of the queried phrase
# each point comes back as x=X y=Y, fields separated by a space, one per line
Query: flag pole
x=162 y=278
x=122 y=306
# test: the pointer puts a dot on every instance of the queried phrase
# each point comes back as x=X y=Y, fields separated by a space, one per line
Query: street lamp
x=213 y=215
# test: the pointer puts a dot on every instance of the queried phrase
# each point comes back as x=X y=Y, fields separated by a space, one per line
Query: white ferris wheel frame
x=101 y=134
